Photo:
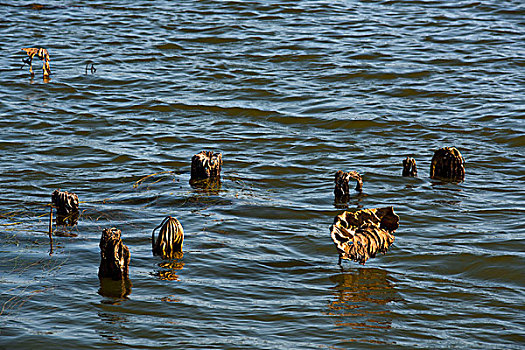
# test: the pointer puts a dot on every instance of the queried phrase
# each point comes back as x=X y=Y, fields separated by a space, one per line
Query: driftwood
x=168 y=244
x=447 y=163
x=42 y=54
x=114 y=256
x=342 y=188
x=409 y=167
x=361 y=235
x=206 y=165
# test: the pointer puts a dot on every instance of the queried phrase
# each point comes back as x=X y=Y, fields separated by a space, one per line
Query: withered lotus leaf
x=114 y=255
x=42 y=54
x=168 y=244
x=361 y=235
x=65 y=202
x=409 y=167
x=205 y=165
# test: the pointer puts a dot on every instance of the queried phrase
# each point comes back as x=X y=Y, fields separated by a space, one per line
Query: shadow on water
x=359 y=299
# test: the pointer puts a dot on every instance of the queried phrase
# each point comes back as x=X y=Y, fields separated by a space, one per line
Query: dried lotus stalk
x=42 y=54
x=409 y=167
x=447 y=163
x=205 y=165
x=342 y=188
x=361 y=235
x=168 y=244
x=65 y=202
x=114 y=254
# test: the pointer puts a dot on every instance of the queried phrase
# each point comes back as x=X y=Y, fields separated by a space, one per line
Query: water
x=289 y=92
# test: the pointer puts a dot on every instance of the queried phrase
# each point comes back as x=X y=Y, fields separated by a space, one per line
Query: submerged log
x=114 y=256
x=206 y=165
x=65 y=202
x=447 y=163
x=361 y=235
x=409 y=167
x=168 y=244
x=342 y=188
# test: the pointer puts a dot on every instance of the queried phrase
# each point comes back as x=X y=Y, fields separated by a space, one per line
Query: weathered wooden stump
x=206 y=165
x=361 y=235
x=342 y=188
x=447 y=163
x=114 y=256
x=409 y=167
x=168 y=244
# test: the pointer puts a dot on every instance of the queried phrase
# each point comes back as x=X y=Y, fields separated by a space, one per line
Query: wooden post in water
x=342 y=187
x=114 y=256
x=409 y=167
x=447 y=163
x=168 y=244
x=206 y=165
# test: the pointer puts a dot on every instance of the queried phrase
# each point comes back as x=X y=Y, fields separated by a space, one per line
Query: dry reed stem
x=141 y=180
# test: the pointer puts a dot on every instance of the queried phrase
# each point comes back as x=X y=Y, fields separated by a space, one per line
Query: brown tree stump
x=361 y=235
x=114 y=256
x=168 y=244
x=206 y=165
x=342 y=187
x=409 y=167
x=447 y=163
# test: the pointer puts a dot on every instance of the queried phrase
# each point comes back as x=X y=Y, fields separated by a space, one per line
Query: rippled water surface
x=289 y=92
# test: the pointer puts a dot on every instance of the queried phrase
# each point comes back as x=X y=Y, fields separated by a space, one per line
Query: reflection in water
x=116 y=290
x=170 y=268
x=63 y=222
x=207 y=186
x=360 y=297
x=112 y=324
x=346 y=202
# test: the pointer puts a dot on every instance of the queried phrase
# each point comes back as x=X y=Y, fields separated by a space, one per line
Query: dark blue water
x=289 y=93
